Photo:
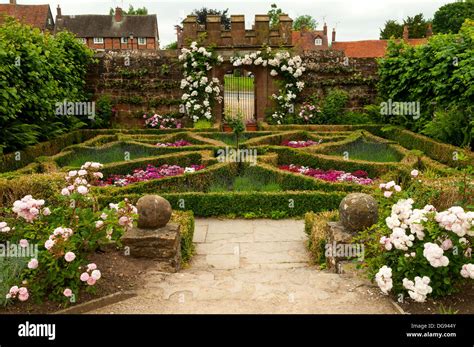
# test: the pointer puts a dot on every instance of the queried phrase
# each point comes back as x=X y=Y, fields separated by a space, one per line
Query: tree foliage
x=143 y=11
x=203 y=12
x=274 y=14
x=450 y=17
x=36 y=71
x=440 y=75
x=304 y=22
x=417 y=28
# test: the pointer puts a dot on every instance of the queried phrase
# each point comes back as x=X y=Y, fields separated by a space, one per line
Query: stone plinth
x=358 y=211
x=162 y=244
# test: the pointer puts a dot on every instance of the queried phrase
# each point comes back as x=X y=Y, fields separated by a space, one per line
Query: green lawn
x=238 y=83
x=244 y=183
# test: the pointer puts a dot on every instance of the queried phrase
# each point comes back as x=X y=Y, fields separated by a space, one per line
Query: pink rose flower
x=387 y=194
x=33 y=264
x=67 y=292
x=69 y=256
x=23 y=243
x=49 y=244
x=46 y=211
x=91 y=266
x=91 y=281
x=84 y=277
x=96 y=274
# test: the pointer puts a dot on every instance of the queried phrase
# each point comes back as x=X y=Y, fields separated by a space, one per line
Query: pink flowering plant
x=161 y=121
x=64 y=235
x=310 y=113
x=415 y=251
x=178 y=143
x=357 y=177
x=300 y=144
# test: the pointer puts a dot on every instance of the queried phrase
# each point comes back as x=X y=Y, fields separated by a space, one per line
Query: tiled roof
x=368 y=48
x=304 y=40
x=106 y=26
x=34 y=15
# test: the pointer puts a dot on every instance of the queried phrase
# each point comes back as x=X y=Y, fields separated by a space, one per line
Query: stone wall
x=151 y=81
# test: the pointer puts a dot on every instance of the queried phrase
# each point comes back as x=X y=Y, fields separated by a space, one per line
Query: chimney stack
x=325 y=29
x=12 y=2
x=118 y=14
x=333 y=34
x=429 y=31
x=58 y=11
x=405 y=33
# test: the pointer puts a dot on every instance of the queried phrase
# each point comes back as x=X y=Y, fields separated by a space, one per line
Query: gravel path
x=252 y=266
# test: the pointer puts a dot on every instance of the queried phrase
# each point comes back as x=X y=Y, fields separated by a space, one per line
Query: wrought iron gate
x=239 y=94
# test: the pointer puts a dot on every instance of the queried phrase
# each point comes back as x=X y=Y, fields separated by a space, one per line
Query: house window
x=82 y=40
x=123 y=40
x=98 y=40
x=318 y=42
x=142 y=41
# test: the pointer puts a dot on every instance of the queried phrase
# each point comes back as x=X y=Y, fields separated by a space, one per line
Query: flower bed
x=300 y=144
x=359 y=176
x=178 y=143
x=150 y=173
x=162 y=122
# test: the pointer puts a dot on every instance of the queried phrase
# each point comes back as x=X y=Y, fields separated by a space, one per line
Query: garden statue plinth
x=154 y=237
x=358 y=211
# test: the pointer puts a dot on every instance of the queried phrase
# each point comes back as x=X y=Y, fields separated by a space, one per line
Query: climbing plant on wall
x=288 y=68
x=200 y=91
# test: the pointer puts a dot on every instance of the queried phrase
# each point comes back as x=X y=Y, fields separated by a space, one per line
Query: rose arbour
x=66 y=233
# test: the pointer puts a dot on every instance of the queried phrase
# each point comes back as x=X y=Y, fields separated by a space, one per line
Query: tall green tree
x=417 y=28
x=203 y=12
x=274 y=14
x=304 y=22
x=450 y=17
x=143 y=11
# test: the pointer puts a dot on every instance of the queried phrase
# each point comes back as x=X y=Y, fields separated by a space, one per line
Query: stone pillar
x=286 y=25
x=213 y=29
x=238 y=29
x=262 y=29
x=190 y=29
x=154 y=237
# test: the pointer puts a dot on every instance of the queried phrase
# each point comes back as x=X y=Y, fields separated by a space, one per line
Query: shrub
x=38 y=70
x=333 y=107
x=104 y=112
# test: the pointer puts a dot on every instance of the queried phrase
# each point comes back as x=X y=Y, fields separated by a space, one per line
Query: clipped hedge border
x=315 y=226
x=242 y=203
x=186 y=220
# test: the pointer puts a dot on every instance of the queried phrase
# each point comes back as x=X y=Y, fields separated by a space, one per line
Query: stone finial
x=153 y=212
x=358 y=211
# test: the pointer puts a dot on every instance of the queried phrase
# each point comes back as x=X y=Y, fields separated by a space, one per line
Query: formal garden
x=70 y=183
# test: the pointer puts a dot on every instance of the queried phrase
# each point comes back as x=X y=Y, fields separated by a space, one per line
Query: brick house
x=375 y=48
x=306 y=40
x=112 y=32
x=37 y=16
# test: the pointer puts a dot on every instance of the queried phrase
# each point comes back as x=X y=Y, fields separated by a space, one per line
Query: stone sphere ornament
x=153 y=212
x=358 y=211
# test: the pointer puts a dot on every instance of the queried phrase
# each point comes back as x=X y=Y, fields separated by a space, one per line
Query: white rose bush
x=281 y=64
x=64 y=235
x=200 y=92
x=416 y=251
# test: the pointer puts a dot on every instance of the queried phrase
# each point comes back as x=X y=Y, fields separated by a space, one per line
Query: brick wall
x=152 y=81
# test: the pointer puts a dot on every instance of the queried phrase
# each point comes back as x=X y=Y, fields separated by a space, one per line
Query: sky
x=353 y=19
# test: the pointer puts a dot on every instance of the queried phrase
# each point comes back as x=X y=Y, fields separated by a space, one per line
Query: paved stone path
x=252 y=266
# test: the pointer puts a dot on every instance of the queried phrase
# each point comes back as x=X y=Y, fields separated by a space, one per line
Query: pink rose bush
x=161 y=122
x=150 y=173
x=91 y=275
x=178 y=143
x=423 y=252
x=309 y=113
x=358 y=177
x=64 y=235
x=300 y=144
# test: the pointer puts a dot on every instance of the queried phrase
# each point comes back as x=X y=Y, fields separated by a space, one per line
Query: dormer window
x=98 y=40
x=318 y=42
